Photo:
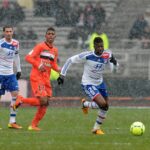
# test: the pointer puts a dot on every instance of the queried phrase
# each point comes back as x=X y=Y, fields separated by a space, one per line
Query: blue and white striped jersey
x=8 y=51
x=94 y=66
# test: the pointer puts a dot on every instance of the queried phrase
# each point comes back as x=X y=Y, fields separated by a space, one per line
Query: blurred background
x=124 y=24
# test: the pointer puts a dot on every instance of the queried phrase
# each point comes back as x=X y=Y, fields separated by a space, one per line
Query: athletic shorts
x=92 y=91
x=8 y=83
x=41 y=87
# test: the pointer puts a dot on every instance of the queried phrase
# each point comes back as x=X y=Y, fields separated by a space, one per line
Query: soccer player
x=9 y=48
x=43 y=58
x=92 y=79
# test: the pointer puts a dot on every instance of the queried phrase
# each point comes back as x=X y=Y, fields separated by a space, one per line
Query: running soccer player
x=9 y=48
x=92 y=79
x=43 y=58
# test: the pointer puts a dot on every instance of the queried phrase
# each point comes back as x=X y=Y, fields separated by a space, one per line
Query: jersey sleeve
x=32 y=55
x=17 y=57
x=17 y=62
x=80 y=58
x=17 y=48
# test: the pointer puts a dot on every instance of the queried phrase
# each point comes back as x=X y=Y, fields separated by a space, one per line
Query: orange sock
x=32 y=101
x=39 y=115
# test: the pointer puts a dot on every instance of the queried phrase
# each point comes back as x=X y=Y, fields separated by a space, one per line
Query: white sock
x=92 y=105
x=100 y=118
x=12 y=112
x=96 y=126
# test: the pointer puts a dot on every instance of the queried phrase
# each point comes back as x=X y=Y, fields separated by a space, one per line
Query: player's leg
x=103 y=109
x=43 y=93
x=33 y=101
x=0 y=99
x=91 y=91
x=41 y=111
x=2 y=88
x=13 y=113
x=98 y=102
x=11 y=85
x=89 y=104
x=36 y=85
x=100 y=118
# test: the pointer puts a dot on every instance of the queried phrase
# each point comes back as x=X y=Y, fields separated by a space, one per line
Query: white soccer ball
x=137 y=128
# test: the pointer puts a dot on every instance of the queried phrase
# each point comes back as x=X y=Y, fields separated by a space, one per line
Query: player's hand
x=18 y=75
x=113 y=60
x=42 y=68
x=60 y=80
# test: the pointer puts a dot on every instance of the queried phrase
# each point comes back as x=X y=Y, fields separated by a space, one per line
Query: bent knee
x=44 y=102
x=105 y=107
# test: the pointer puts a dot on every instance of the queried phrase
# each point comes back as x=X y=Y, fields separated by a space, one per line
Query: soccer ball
x=137 y=128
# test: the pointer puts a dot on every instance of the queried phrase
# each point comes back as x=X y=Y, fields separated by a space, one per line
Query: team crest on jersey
x=105 y=55
x=14 y=43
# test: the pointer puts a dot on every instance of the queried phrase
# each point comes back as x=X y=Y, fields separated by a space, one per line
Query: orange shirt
x=42 y=53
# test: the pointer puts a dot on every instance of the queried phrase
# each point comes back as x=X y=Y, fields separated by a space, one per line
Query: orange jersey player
x=43 y=58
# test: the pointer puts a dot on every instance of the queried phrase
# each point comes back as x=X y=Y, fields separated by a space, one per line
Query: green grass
x=69 y=129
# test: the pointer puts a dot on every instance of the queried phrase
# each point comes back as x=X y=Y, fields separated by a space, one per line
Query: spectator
x=146 y=38
x=87 y=21
x=11 y=13
x=73 y=37
x=82 y=31
x=88 y=9
x=99 y=13
x=20 y=33
x=90 y=23
x=138 y=27
x=31 y=34
x=5 y=4
x=18 y=13
x=73 y=34
x=81 y=20
x=38 y=8
x=62 y=13
x=75 y=14
x=53 y=6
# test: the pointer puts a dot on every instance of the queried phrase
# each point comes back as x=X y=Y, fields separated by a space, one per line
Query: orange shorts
x=40 y=87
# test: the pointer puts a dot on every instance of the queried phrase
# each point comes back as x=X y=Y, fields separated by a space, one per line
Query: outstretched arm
x=79 y=58
x=64 y=69
x=74 y=59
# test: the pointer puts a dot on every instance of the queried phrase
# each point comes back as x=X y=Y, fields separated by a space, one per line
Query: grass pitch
x=69 y=129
